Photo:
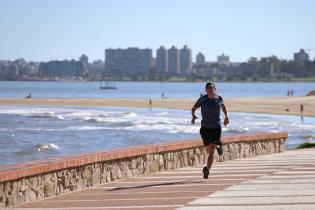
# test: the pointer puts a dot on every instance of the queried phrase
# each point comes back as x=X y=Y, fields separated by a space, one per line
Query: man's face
x=210 y=90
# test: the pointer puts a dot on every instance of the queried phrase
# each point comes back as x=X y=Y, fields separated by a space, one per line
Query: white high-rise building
x=301 y=56
x=173 y=61
x=200 y=59
x=162 y=59
x=223 y=59
x=185 y=58
x=129 y=62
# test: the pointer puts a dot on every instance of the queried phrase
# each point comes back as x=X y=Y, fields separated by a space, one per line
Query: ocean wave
x=60 y=117
x=162 y=113
x=309 y=137
x=263 y=123
x=235 y=130
x=120 y=124
x=130 y=114
x=15 y=111
x=84 y=128
x=131 y=119
x=94 y=119
x=274 y=131
x=106 y=118
x=45 y=147
x=87 y=128
x=165 y=128
x=109 y=121
x=310 y=127
x=72 y=128
x=37 y=113
x=37 y=129
x=46 y=115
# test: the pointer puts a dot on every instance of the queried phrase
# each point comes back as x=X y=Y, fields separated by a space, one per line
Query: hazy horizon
x=45 y=30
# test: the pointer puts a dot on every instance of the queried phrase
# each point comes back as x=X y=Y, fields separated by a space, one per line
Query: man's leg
x=210 y=149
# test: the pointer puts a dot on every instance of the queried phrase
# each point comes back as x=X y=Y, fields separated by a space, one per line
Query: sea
x=37 y=132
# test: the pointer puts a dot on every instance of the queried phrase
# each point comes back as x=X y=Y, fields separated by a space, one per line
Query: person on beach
x=210 y=131
x=29 y=95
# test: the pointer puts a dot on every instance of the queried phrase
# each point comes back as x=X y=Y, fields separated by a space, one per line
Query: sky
x=43 y=30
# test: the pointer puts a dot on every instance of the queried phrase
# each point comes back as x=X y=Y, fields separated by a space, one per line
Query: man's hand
x=226 y=121
x=193 y=119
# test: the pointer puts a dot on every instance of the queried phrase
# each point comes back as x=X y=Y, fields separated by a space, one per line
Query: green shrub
x=306 y=145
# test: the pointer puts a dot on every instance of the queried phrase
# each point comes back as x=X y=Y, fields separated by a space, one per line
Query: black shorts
x=210 y=136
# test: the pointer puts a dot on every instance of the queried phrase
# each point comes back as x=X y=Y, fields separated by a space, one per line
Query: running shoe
x=220 y=150
x=205 y=171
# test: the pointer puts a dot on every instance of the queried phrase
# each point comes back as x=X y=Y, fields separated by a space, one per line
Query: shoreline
x=268 y=105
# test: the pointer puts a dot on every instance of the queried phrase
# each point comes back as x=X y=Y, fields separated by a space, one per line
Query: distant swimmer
x=29 y=96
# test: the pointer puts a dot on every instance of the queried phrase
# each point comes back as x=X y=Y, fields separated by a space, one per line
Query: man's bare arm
x=193 y=116
x=226 y=118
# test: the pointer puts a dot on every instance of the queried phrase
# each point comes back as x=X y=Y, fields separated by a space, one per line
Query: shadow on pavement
x=156 y=185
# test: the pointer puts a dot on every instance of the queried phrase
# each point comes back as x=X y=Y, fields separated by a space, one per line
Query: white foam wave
x=60 y=117
x=42 y=114
x=234 y=129
x=107 y=118
x=262 y=123
x=163 y=113
x=37 y=129
x=49 y=146
x=310 y=137
x=72 y=128
x=302 y=126
x=167 y=128
x=166 y=121
x=34 y=112
x=85 y=128
x=130 y=115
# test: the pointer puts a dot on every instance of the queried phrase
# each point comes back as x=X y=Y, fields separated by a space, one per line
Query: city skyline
x=42 y=31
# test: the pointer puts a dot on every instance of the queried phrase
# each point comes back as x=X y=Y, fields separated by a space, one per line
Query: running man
x=210 y=130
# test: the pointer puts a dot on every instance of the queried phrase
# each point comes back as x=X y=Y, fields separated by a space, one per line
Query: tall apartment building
x=85 y=62
x=64 y=68
x=223 y=59
x=185 y=57
x=84 y=59
x=128 y=62
x=162 y=60
x=301 y=56
x=200 y=59
x=173 y=61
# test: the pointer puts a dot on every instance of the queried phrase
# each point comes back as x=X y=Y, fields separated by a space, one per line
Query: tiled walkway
x=278 y=181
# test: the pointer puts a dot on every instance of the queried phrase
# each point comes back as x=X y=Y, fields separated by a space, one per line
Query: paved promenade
x=278 y=181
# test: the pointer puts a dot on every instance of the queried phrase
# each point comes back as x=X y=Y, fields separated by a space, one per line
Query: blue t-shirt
x=210 y=111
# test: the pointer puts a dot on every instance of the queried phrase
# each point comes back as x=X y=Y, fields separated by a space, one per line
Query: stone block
x=282 y=146
x=133 y=164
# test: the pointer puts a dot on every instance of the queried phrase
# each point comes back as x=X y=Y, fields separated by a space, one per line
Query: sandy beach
x=272 y=105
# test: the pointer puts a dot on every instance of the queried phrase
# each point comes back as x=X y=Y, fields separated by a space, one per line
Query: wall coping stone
x=25 y=169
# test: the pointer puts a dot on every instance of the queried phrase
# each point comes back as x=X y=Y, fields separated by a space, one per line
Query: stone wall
x=39 y=179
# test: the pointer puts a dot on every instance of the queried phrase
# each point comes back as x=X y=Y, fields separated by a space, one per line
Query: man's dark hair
x=210 y=84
